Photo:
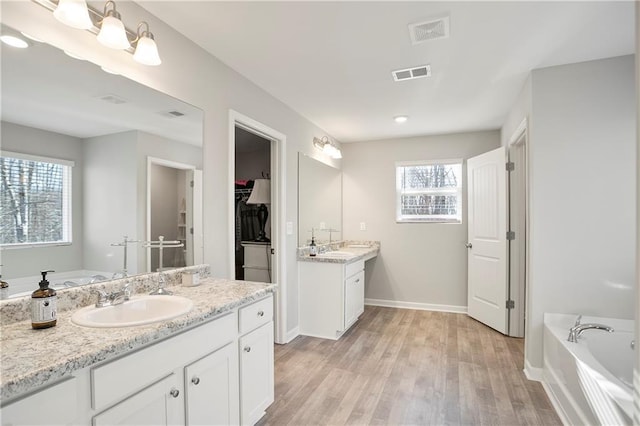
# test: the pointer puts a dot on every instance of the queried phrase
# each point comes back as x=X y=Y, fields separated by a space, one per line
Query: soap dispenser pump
x=43 y=305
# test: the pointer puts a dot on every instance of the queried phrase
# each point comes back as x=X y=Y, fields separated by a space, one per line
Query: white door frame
x=519 y=248
x=165 y=163
x=278 y=237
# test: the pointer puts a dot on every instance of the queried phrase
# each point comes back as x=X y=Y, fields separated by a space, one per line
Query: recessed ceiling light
x=31 y=37
x=14 y=41
x=400 y=118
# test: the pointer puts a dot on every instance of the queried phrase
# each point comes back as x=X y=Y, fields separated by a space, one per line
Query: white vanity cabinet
x=331 y=297
x=216 y=373
x=256 y=360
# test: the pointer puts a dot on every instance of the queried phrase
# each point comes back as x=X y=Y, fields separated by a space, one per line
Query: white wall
x=421 y=263
x=24 y=262
x=582 y=172
x=194 y=76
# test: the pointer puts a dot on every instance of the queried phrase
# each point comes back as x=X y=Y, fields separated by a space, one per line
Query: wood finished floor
x=406 y=367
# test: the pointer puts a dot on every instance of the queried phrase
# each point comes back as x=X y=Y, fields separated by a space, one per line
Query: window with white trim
x=429 y=191
x=35 y=200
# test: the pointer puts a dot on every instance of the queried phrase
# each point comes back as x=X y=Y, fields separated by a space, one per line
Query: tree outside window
x=429 y=191
x=36 y=200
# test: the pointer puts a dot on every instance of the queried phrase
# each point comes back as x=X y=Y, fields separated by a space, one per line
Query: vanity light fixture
x=112 y=33
x=73 y=13
x=146 y=49
x=400 y=118
x=14 y=41
x=327 y=147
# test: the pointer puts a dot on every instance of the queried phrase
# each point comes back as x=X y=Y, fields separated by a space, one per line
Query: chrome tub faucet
x=576 y=331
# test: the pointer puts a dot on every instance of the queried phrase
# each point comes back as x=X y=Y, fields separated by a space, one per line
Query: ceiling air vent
x=112 y=99
x=429 y=30
x=412 y=73
x=171 y=114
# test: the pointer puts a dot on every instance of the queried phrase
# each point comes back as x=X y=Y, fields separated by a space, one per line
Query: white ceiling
x=44 y=88
x=332 y=61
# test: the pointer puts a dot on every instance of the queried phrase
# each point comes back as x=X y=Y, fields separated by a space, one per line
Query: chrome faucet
x=113 y=298
x=576 y=331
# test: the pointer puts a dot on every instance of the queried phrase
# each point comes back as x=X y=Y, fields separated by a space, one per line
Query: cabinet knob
x=174 y=392
x=358 y=280
x=260 y=313
x=195 y=380
x=247 y=348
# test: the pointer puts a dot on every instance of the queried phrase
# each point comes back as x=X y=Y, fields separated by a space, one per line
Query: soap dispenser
x=43 y=305
x=313 y=249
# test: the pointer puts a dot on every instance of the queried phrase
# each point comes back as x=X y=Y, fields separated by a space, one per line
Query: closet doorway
x=274 y=229
x=252 y=186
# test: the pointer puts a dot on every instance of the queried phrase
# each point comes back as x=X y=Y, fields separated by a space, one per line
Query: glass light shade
x=73 y=13
x=147 y=52
x=261 y=193
x=112 y=34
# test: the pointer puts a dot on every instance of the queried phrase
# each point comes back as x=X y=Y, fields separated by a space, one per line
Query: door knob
x=468 y=245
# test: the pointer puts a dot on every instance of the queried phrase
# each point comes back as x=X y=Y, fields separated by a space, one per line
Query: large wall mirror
x=319 y=201
x=89 y=157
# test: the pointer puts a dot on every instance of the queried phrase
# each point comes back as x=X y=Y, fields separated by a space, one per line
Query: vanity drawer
x=115 y=380
x=353 y=268
x=256 y=314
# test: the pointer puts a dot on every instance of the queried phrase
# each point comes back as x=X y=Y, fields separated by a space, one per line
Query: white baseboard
x=292 y=334
x=414 y=305
x=532 y=373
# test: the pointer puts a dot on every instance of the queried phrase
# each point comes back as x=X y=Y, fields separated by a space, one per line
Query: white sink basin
x=337 y=254
x=139 y=310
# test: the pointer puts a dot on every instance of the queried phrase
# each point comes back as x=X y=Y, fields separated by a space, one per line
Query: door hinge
x=191 y=231
x=511 y=235
x=273 y=251
x=510 y=304
x=191 y=184
x=510 y=166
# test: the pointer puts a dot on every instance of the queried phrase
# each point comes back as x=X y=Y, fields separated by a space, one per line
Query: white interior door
x=194 y=217
x=488 y=289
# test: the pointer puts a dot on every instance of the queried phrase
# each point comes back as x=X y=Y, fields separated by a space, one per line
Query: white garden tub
x=26 y=285
x=589 y=381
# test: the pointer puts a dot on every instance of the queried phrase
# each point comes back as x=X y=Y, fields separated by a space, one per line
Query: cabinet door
x=211 y=383
x=354 y=298
x=159 y=404
x=256 y=373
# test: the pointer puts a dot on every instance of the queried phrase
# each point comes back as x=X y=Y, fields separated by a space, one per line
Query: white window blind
x=36 y=200
x=429 y=191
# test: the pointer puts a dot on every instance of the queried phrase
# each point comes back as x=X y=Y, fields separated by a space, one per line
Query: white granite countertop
x=343 y=252
x=31 y=358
